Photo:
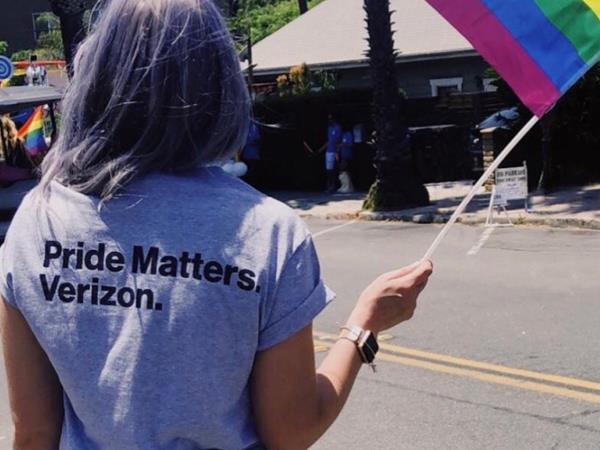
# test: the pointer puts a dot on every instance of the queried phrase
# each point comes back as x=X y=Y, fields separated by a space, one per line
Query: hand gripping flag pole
x=488 y=173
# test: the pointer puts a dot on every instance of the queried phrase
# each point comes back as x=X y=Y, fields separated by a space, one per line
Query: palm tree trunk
x=396 y=185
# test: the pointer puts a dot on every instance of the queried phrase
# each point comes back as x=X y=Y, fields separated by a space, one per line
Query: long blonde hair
x=9 y=136
x=157 y=86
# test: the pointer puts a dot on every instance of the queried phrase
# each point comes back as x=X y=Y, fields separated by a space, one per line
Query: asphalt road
x=502 y=353
x=523 y=299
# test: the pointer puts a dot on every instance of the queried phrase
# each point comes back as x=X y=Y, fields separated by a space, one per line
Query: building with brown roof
x=433 y=58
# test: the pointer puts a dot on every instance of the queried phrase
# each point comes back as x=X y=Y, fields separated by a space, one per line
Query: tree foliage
x=49 y=41
x=574 y=138
x=3 y=47
x=50 y=50
x=49 y=44
x=301 y=81
x=46 y=22
x=574 y=133
x=264 y=17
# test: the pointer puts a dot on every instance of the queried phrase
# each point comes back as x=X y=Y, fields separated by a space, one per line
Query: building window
x=488 y=86
x=445 y=86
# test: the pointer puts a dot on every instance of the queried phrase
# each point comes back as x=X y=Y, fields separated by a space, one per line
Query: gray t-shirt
x=153 y=309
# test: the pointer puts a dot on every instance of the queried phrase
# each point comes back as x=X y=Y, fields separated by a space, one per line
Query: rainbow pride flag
x=32 y=133
x=539 y=47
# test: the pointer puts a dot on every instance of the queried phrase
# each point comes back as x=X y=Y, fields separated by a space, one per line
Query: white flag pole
x=501 y=157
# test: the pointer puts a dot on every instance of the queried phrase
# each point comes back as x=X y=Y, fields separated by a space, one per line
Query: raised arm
x=294 y=404
x=34 y=392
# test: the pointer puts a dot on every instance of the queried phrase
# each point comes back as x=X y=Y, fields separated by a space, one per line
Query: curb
x=331 y=216
x=399 y=216
x=550 y=222
x=467 y=219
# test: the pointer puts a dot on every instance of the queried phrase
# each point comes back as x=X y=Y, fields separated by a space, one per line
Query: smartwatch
x=365 y=341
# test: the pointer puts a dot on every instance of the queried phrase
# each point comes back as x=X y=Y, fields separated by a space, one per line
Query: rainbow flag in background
x=32 y=133
x=539 y=47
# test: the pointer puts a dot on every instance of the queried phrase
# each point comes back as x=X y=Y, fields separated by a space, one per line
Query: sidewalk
x=570 y=207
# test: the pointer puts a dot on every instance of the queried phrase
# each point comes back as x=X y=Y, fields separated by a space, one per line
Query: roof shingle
x=334 y=32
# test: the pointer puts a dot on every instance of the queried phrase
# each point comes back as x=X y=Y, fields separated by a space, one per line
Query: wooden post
x=488 y=146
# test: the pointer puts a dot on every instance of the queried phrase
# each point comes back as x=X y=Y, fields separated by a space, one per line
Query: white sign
x=6 y=68
x=499 y=200
x=511 y=183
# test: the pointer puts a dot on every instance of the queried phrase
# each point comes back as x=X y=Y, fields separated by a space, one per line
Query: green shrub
x=264 y=17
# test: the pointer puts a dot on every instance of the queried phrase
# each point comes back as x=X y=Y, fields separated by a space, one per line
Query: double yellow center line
x=574 y=388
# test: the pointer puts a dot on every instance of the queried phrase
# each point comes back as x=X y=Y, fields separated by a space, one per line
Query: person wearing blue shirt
x=346 y=150
x=251 y=153
x=334 y=139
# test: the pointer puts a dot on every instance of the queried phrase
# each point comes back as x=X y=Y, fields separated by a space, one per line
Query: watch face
x=369 y=346
x=372 y=343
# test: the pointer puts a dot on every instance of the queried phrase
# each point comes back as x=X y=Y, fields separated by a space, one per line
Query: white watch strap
x=353 y=333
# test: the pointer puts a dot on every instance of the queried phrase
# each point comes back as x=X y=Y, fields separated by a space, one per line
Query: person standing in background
x=334 y=139
x=33 y=72
x=14 y=164
x=251 y=154
x=36 y=74
x=346 y=154
x=43 y=77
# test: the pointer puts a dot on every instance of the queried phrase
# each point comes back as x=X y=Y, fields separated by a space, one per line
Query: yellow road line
x=487 y=377
x=567 y=381
x=385 y=337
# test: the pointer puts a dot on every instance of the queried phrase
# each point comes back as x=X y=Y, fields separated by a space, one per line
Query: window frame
x=437 y=83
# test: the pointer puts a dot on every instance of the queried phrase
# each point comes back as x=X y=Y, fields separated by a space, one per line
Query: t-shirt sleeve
x=6 y=290
x=299 y=297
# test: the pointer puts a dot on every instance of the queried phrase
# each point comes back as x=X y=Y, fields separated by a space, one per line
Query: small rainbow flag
x=540 y=47
x=32 y=133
